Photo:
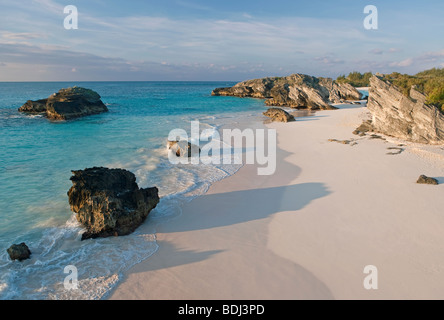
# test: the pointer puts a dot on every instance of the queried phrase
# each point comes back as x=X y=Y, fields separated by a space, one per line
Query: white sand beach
x=308 y=231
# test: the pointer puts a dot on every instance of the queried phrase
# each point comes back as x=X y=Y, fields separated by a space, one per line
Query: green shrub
x=356 y=79
x=429 y=82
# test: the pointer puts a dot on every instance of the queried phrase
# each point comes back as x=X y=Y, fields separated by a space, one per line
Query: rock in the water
x=34 y=107
x=108 y=202
x=19 y=252
x=183 y=148
x=427 y=180
x=67 y=104
x=295 y=91
x=408 y=118
x=278 y=115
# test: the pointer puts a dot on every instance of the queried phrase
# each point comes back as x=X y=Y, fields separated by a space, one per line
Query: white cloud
x=403 y=63
x=423 y=61
x=21 y=35
x=376 y=51
x=329 y=60
x=394 y=50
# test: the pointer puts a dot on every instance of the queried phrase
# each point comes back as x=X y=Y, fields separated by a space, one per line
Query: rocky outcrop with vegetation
x=410 y=117
x=294 y=91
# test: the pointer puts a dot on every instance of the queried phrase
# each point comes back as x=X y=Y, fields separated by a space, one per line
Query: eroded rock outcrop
x=408 y=118
x=108 y=202
x=67 y=104
x=295 y=91
x=278 y=115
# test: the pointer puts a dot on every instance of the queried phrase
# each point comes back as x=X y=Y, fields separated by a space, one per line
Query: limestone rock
x=108 y=202
x=278 y=115
x=34 y=107
x=19 y=252
x=295 y=91
x=365 y=127
x=407 y=118
x=427 y=180
x=183 y=148
x=67 y=104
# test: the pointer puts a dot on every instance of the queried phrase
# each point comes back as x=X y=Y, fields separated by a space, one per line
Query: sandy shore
x=308 y=231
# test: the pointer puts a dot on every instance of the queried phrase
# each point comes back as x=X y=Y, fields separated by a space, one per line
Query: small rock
x=395 y=151
x=375 y=136
x=340 y=141
x=278 y=115
x=427 y=180
x=183 y=148
x=19 y=252
x=365 y=127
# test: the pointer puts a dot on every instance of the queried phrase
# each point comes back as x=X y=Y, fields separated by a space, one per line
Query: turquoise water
x=37 y=156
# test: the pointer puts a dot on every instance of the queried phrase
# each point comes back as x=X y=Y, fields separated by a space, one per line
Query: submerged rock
x=19 y=252
x=278 y=115
x=295 y=91
x=427 y=180
x=67 y=104
x=408 y=118
x=108 y=202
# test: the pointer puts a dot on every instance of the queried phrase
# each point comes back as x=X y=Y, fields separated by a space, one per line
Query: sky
x=197 y=40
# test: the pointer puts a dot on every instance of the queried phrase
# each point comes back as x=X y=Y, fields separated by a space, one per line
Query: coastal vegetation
x=356 y=79
x=429 y=82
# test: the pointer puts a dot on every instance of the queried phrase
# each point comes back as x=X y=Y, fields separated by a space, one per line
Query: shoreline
x=308 y=231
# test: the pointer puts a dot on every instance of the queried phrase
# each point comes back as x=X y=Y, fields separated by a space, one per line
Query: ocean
x=37 y=156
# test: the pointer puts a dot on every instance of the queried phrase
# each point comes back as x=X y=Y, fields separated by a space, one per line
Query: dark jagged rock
x=427 y=180
x=108 y=202
x=67 y=104
x=19 y=252
x=408 y=118
x=183 y=148
x=295 y=91
x=278 y=115
x=34 y=107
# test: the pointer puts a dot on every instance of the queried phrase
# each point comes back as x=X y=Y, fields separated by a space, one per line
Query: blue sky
x=215 y=40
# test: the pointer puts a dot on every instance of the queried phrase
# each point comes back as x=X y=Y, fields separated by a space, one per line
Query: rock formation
x=365 y=127
x=19 y=252
x=295 y=91
x=278 y=115
x=408 y=118
x=183 y=148
x=108 y=202
x=67 y=104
